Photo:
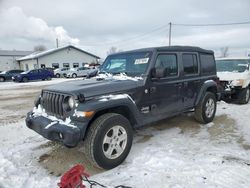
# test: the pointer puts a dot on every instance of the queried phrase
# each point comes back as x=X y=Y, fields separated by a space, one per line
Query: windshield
x=240 y=65
x=132 y=64
x=4 y=72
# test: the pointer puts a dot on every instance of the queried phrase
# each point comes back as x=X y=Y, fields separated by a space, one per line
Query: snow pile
x=39 y=111
x=121 y=76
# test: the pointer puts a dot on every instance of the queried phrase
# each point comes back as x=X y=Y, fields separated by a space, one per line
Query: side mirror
x=158 y=73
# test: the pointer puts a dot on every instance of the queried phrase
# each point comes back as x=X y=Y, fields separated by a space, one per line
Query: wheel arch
x=208 y=86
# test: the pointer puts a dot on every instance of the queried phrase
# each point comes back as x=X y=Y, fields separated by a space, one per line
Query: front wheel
x=108 y=140
x=74 y=75
x=205 y=110
x=244 y=96
x=25 y=79
x=2 y=79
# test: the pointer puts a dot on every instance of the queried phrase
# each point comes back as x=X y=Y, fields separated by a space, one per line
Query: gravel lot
x=178 y=152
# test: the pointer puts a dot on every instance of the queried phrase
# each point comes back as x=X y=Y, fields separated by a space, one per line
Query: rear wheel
x=244 y=96
x=2 y=79
x=205 y=110
x=74 y=75
x=108 y=140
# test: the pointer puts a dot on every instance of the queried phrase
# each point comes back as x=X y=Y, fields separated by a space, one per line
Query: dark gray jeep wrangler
x=132 y=89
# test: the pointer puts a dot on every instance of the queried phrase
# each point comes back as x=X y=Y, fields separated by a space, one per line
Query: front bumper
x=69 y=136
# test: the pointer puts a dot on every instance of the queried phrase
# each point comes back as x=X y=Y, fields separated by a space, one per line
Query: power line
x=213 y=24
x=133 y=38
x=166 y=26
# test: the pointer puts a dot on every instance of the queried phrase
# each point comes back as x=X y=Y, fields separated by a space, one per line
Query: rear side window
x=169 y=62
x=207 y=64
x=190 y=64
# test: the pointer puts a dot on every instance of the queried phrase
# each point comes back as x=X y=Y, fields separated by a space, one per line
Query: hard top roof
x=170 y=49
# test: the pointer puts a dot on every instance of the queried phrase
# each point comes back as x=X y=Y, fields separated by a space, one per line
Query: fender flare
x=206 y=85
x=103 y=103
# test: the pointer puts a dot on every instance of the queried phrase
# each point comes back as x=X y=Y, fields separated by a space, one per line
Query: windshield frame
x=122 y=56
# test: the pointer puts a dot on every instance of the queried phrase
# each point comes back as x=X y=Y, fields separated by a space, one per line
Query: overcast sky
x=95 y=25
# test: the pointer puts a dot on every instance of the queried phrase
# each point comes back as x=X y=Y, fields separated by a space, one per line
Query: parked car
x=142 y=86
x=36 y=74
x=7 y=75
x=93 y=73
x=79 y=72
x=61 y=72
x=234 y=75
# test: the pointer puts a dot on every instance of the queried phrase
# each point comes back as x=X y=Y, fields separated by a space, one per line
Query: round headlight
x=71 y=102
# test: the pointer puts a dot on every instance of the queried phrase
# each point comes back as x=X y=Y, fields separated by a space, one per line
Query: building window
x=66 y=65
x=75 y=65
x=84 y=64
x=43 y=66
x=55 y=65
x=190 y=64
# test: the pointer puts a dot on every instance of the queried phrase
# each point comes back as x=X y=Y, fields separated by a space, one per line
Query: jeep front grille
x=53 y=103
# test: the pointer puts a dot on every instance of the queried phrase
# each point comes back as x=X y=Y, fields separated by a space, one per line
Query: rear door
x=191 y=78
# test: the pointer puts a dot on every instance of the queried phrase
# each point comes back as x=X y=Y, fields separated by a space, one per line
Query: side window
x=190 y=64
x=207 y=64
x=168 y=62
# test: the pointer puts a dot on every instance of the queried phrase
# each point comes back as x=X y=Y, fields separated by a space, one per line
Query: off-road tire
x=2 y=79
x=25 y=79
x=58 y=75
x=242 y=97
x=74 y=75
x=93 y=143
x=200 y=109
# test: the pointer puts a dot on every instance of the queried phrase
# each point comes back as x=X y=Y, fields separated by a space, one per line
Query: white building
x=67 y=56
x=8 y=59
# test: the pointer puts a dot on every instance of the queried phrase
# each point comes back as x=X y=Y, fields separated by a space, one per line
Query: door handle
x=178 y=84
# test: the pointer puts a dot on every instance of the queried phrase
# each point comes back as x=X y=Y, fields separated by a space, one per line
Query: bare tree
x=39 y=48
x=113 y=50
x=224 y=51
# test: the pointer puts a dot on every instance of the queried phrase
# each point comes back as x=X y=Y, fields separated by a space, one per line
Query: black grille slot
x=53 y=103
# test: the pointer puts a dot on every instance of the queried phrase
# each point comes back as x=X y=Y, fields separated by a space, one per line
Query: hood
x=94 y=87
x=229 y=76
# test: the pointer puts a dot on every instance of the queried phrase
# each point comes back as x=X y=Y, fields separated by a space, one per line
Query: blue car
x=36 y=74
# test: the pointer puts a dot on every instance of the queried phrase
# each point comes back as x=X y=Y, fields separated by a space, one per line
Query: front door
x=165 y=95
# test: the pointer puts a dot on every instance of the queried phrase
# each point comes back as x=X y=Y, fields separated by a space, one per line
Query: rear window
x=207 y=64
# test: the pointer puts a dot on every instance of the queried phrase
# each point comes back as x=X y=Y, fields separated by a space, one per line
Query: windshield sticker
x=141 y=61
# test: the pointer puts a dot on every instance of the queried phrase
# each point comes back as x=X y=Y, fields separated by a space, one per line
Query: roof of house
x=40 y=54
x=14 y=53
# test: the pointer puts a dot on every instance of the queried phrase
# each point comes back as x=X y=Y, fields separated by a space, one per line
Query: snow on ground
x=177 y=152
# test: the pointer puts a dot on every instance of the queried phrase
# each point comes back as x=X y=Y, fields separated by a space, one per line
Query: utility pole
x=57 y=43
x=169 y=33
